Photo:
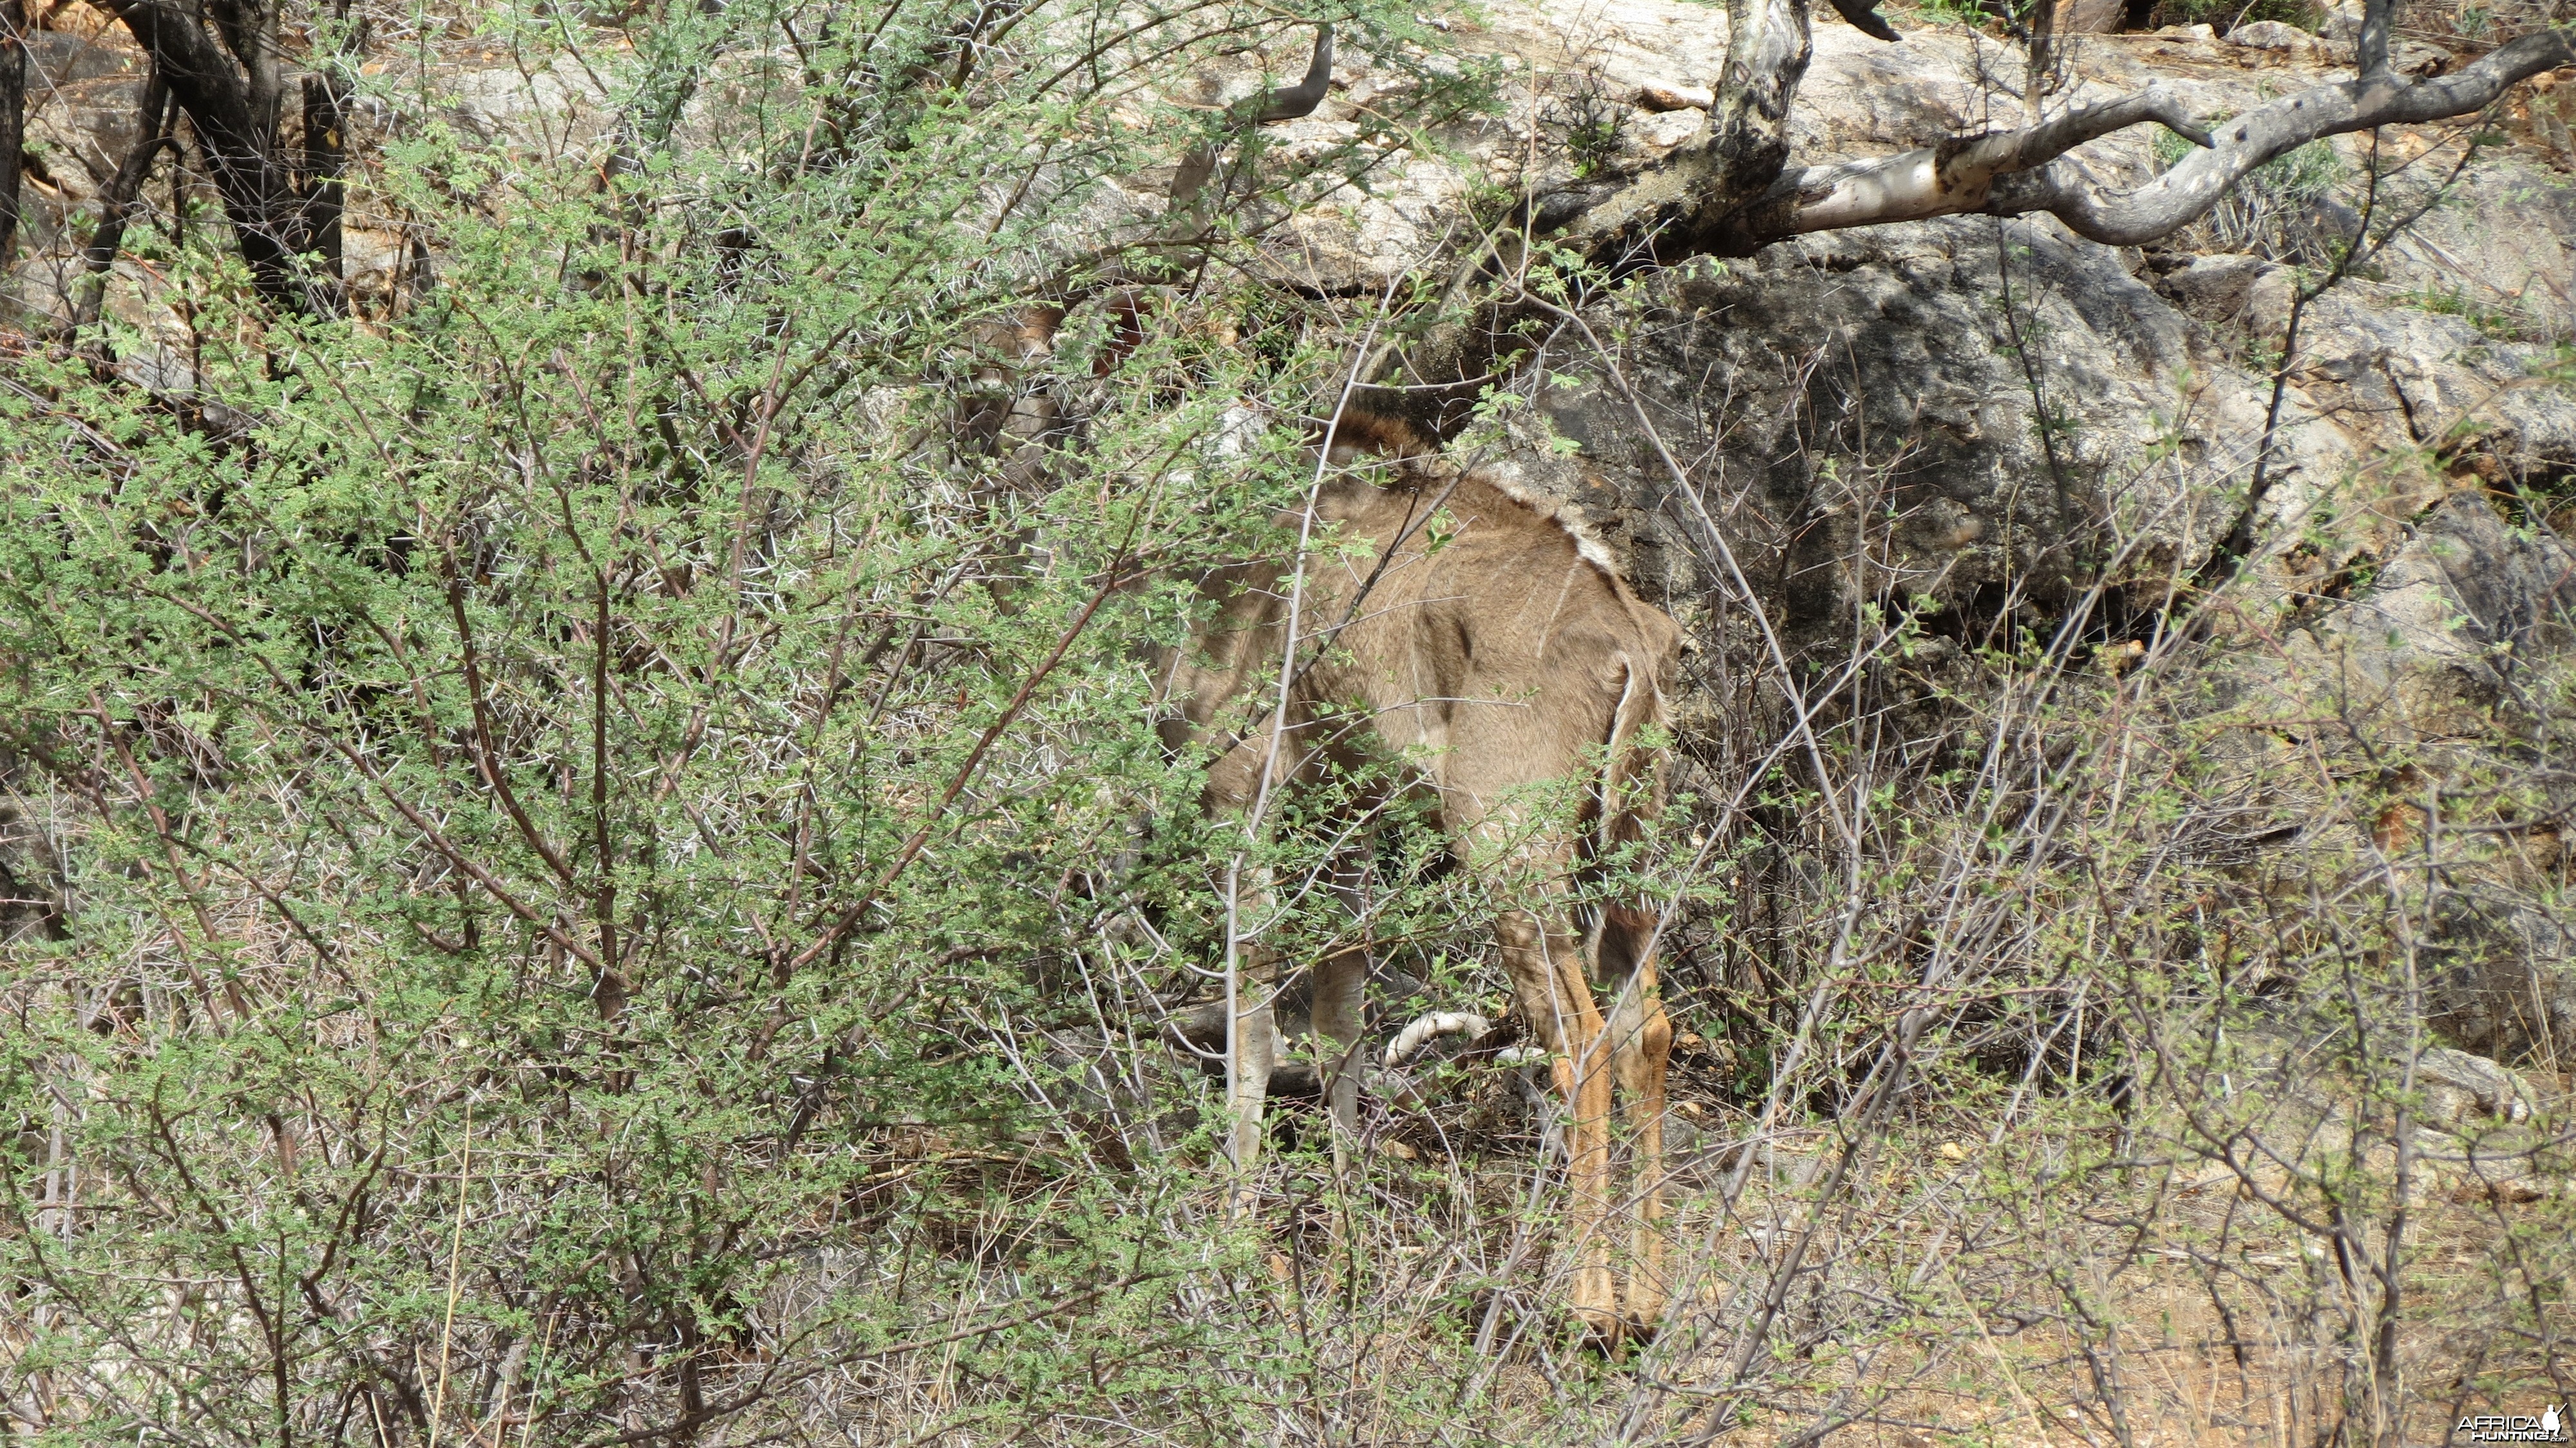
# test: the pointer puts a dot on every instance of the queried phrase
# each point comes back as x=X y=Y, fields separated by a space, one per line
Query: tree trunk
x=117 y=202
x=231 y=89
x=326 y=104
x=13 y=119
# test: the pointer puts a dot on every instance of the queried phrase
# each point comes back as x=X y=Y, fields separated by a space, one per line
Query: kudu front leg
x=1549 y=981
x=1340 y=1012
x=1641 y=1038
x=1251 y=1051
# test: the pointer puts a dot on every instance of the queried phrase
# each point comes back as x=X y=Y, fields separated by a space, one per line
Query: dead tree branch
x=1730 y=192
x=116 y=203
x=2185 y=193
x=229 y=78
x=13 y=118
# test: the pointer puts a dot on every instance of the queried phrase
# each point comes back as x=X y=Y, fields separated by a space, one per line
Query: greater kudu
x=1493 y=656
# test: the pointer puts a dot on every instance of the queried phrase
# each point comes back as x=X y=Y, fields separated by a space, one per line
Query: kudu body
x=1500 y=659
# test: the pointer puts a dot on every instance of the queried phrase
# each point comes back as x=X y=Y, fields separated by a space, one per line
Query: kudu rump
x=1499 y=659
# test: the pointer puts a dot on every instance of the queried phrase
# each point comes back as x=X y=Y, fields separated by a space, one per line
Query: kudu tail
x=1626 y=795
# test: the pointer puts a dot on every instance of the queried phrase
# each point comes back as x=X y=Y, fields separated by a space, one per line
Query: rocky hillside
x=2429 y=375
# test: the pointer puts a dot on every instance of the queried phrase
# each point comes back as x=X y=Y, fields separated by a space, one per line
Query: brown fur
x=1502 y=658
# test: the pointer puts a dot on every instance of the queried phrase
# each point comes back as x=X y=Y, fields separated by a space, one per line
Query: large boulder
x=1876 y=395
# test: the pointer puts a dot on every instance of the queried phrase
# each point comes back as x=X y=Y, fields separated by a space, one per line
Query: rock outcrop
x=2150 y=369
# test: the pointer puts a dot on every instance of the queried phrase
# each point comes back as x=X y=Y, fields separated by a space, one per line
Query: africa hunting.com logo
x=2549 y=1427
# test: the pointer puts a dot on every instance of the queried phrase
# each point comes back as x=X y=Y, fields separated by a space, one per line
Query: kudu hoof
x=1613 y=1330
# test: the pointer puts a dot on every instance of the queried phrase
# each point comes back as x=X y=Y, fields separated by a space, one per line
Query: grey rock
x=2433 y=643
x=2290 y=43
x=78 y=133
x=1880 y=361
x=2458 y=1087
x=2216 y=289
x=56 y=58
x=2503 y=972
x=553 y=111
x=2428 y=664
x=2271 y=35
x=2414 y=57
x=2093 y=17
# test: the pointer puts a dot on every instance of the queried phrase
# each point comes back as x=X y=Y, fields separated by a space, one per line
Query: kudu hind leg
x=1547 y=974
x=1340 y=1019
x=1641 y=1038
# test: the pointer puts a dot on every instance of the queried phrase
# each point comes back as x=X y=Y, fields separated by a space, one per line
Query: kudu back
x=1482 y=640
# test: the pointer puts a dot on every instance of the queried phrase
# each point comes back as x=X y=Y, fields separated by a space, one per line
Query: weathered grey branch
x=1746 y=142
x=2185 y=193
x=1696 y=202
x=2371 y=51
x=1957 y=176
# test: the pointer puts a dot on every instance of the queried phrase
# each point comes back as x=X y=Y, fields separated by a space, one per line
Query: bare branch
x=2371 y=51
x=1956 y=176
x=2185 y=193
x=1697 y=202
